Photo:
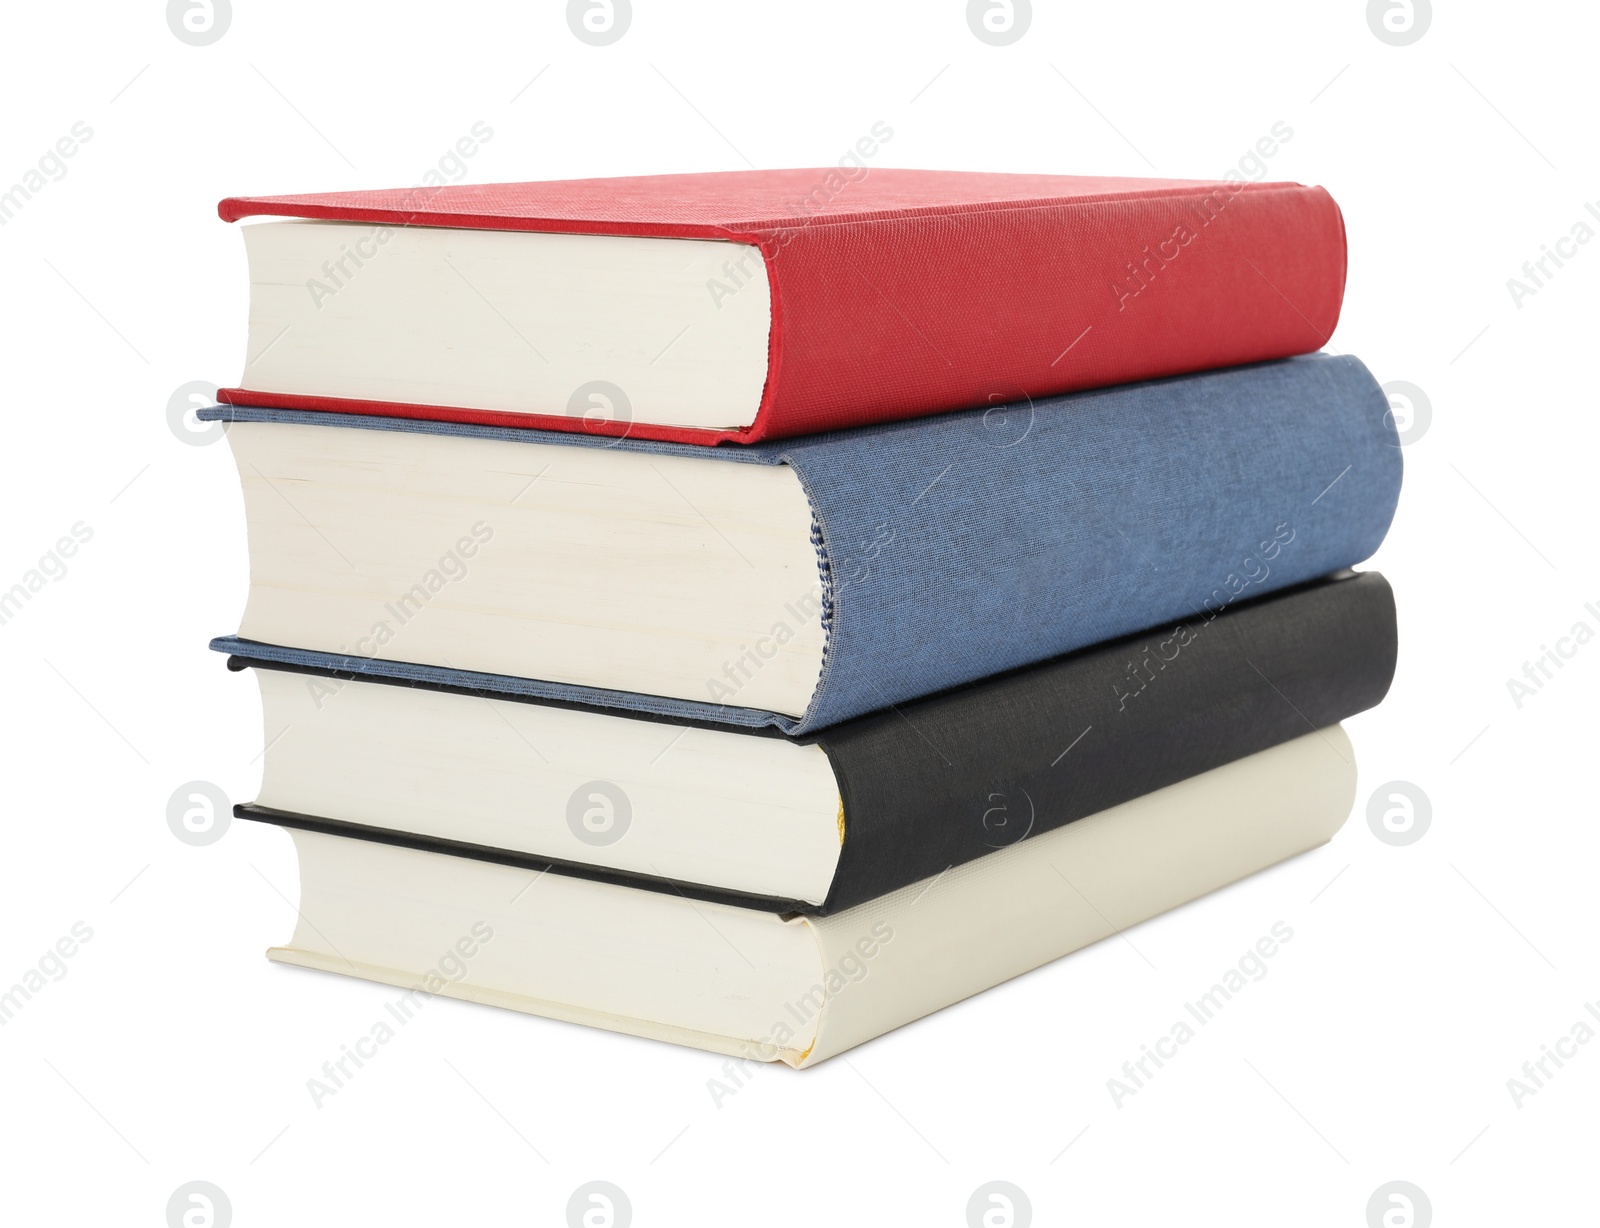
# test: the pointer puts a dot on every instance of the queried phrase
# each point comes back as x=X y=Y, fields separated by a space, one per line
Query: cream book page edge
x=926 y=946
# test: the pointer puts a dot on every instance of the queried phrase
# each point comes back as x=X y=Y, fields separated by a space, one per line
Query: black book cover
x=940 y=781
x=945 y=780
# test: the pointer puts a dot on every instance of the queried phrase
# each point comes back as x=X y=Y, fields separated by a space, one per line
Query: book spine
x=980 y=307
x=964 y=546
x=950 y=779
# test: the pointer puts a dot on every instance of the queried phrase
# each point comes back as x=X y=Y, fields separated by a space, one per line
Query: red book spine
x=900 y=319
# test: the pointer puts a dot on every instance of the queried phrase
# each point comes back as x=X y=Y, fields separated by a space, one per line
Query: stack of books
x=758 y=610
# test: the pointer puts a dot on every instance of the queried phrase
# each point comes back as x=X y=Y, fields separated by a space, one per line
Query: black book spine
x=944 y=780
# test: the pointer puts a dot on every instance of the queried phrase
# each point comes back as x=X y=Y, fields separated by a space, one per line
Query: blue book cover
x=961 y=546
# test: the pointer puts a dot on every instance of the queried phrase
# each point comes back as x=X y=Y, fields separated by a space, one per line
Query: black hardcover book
x=820 y=823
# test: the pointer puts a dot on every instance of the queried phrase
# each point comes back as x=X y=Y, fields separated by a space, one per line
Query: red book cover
x=902 y=293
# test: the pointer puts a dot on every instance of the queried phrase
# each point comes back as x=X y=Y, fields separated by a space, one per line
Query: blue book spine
x=962 y=546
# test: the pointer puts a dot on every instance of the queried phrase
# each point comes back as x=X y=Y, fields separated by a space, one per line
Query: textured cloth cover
x=899 y=293
x=949 y=779
x=977 y=542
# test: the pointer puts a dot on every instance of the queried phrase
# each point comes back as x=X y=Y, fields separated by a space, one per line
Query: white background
x=1419 y=979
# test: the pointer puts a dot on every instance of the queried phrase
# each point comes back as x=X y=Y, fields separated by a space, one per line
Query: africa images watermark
x=52 y=566
x=1253 y=571
x=850 y=167
x=835 y=574
x=1537 y=274
x=1542 y=670
x=199 y=1204
x=46 y=970
x=599 y=23
x=599 y=813
x=1399 y=23
x=199 y=23
x=752 y=659
x=51 y=167
x=1251 y=966
x=1140 y=274
x=1537 y=1072
x=451 y=167
x=451 y=568
x=450 y=968
x=851 y=968
x=999 y=22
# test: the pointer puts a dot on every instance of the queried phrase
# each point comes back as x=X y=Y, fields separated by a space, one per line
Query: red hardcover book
x=889 y=294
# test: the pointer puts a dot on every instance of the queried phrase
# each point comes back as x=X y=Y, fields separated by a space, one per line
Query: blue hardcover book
x=800 y=583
